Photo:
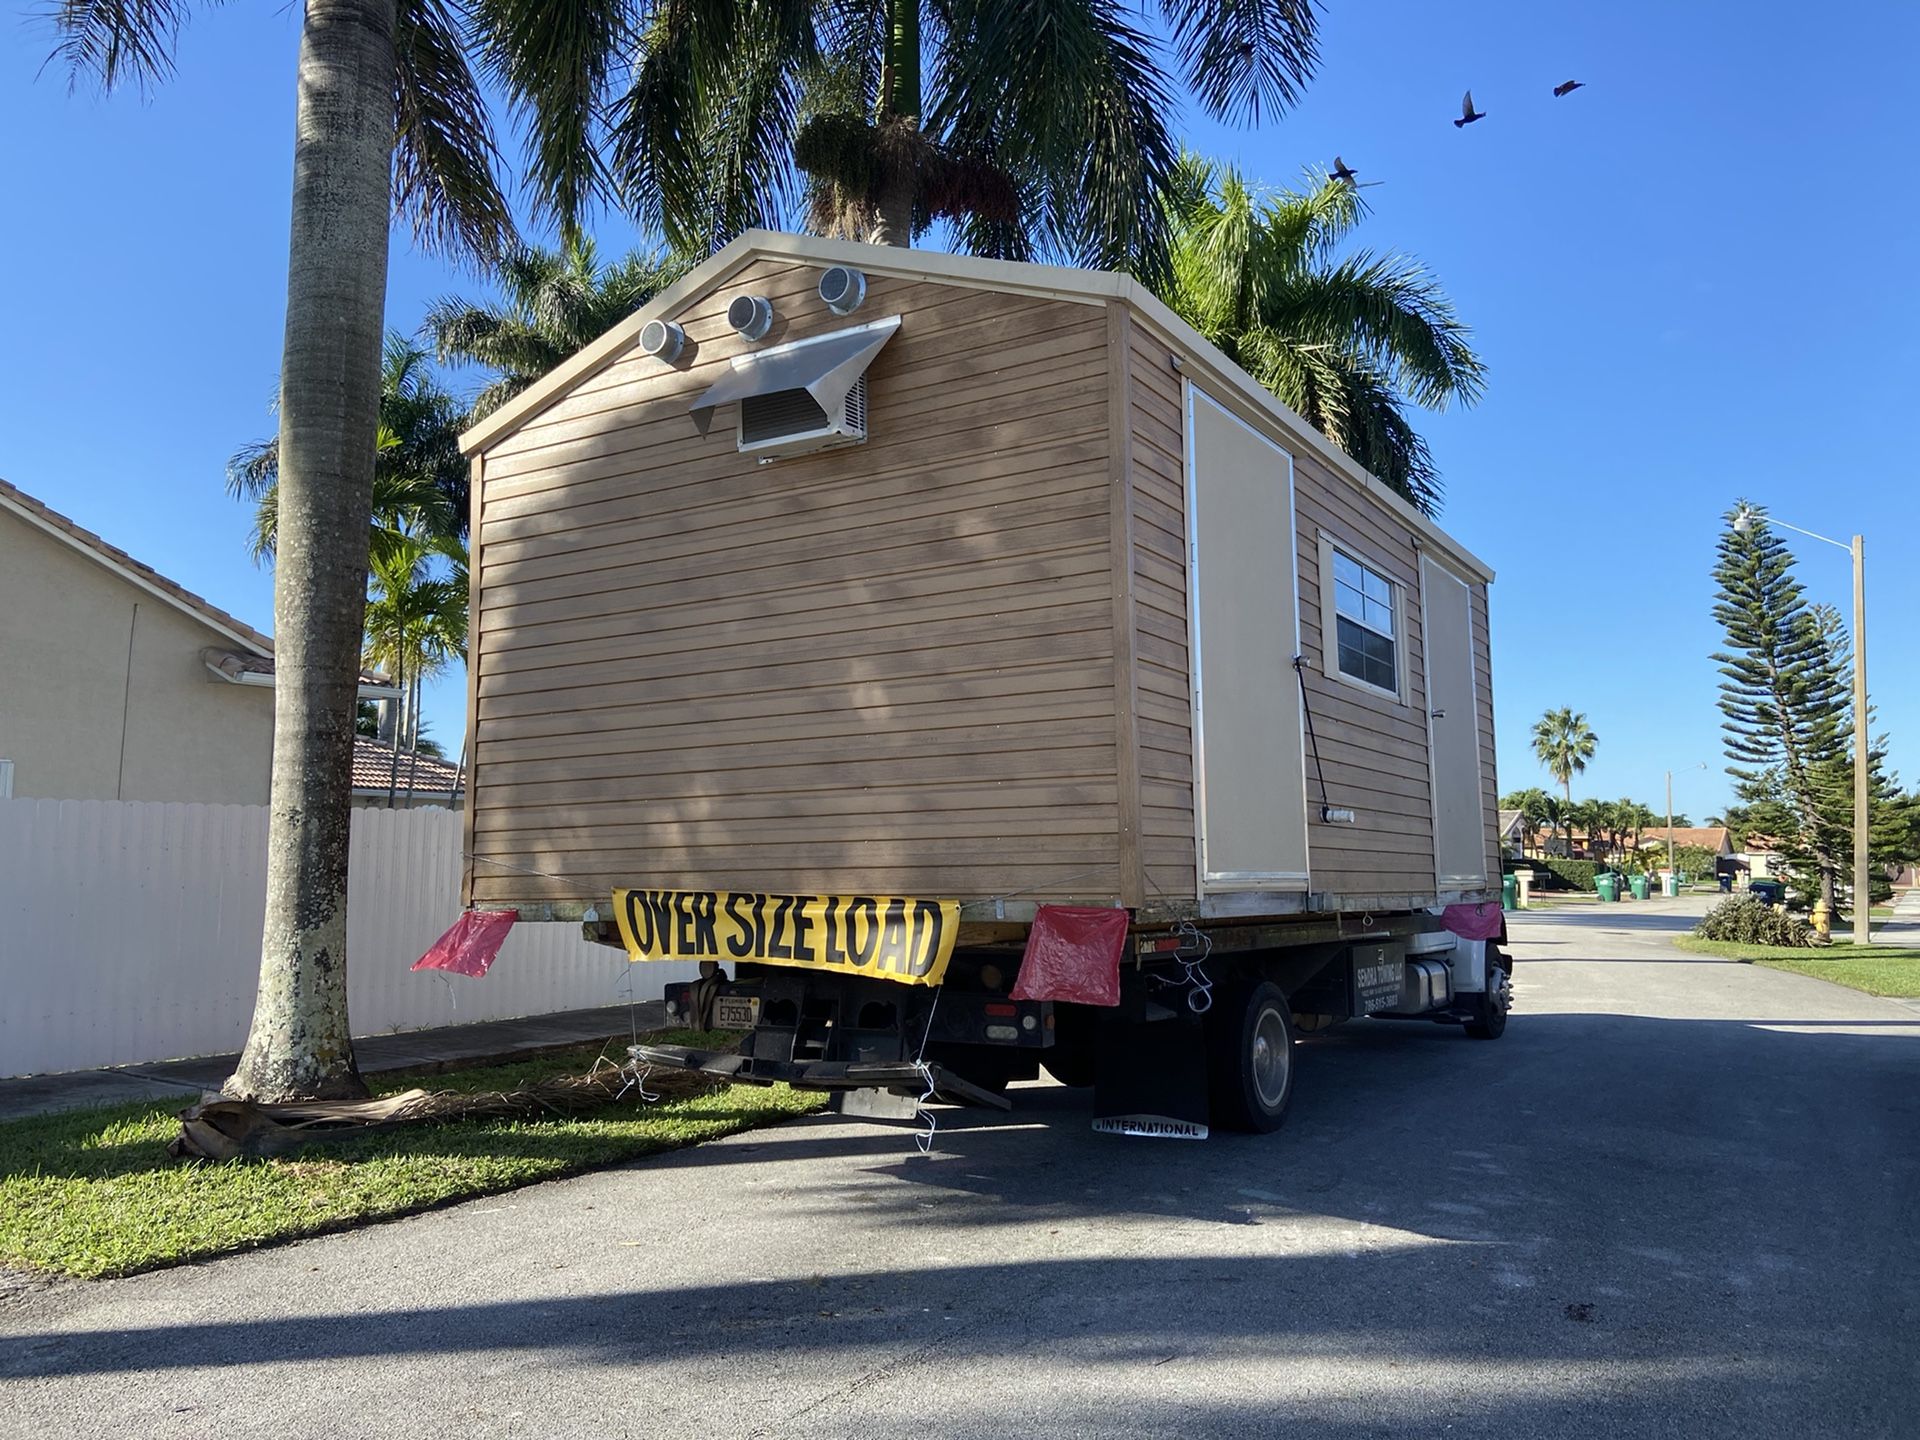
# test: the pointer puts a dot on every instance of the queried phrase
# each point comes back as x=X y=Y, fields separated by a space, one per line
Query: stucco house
x=120 y=684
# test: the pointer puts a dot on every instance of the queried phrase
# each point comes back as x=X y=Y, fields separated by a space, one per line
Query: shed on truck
x=840 y=568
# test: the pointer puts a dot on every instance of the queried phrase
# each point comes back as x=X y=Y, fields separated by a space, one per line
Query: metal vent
x=662 y=339
x=857 y=406
x=782 y=413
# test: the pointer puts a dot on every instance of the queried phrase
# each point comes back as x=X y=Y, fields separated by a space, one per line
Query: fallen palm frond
x=220 y=1128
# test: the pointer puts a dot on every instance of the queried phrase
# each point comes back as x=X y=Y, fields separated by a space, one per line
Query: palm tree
x=420 y=478
x=557 y=302
x=1532 y=805
x=388 y=116
x=1555 y=814
x=416 y=622
x=1034 y=129
x=1564 y=743
x=1635 y=818
x=1348 y=341
x=1058 y=107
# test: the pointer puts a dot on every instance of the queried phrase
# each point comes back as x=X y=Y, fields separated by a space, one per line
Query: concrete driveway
x=1676 y=1200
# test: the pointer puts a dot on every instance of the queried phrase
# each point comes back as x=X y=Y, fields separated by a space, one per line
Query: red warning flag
x=471 y=945
x=1073 y=953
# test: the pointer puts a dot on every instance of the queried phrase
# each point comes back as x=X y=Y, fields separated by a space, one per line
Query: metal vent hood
x=825 y=366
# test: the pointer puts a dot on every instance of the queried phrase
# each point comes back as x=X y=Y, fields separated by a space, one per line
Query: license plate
x=736 y=1012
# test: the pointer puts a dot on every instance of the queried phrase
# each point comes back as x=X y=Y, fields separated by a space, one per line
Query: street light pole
x=1670 y=866
x=1862 y=830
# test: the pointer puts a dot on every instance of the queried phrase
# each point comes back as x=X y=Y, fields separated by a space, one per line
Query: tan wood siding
x=1483 y=684
x=888 y=668
x=1162 y=693
x=1373 y=748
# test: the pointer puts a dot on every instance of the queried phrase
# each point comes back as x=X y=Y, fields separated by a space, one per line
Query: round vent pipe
x=751 y=315
x=662 y=340
x=843 y=288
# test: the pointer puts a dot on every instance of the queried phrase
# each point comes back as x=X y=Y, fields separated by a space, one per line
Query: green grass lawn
x=1876 y=969
x=93 y=1193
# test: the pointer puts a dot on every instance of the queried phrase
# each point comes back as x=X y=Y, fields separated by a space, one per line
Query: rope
x=1200 y=996
x=924 y=1141
x=1306 y=708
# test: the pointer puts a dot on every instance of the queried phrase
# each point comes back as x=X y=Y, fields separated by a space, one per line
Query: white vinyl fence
x=131 y=932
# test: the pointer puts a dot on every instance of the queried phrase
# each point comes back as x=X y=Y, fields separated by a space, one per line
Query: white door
x=1250 y=802
x=1453 y=730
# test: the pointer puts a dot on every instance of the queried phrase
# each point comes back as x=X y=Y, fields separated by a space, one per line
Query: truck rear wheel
x=1250 y=1059
x=1490 y=1007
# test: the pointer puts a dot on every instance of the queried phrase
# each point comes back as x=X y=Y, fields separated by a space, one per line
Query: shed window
x=1363 y=605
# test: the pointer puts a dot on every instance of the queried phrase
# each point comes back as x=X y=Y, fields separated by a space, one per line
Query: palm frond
x=702 y=135
x=1391 y=310
x=1074 y=97
x=443 y=152
x=554 y=59
x=1245 y=59
x=747 y=142
x=117 y=41
x=254 y=469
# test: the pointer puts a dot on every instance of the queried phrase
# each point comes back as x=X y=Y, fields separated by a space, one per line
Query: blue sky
x=1691 y=281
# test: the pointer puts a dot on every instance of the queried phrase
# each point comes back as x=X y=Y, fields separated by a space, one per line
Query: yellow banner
x=885 y=936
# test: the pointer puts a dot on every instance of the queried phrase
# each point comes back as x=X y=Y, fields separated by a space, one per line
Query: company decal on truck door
x=887 y=937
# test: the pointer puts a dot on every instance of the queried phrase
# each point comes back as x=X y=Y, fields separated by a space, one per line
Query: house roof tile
x=373 y=769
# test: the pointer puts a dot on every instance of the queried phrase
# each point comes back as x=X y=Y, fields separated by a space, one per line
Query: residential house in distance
x=121 y=684
x=1714 y=838
x=406 y=782
x=1513 y=834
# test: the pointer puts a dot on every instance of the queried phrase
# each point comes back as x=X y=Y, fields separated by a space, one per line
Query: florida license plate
x=736 y=1012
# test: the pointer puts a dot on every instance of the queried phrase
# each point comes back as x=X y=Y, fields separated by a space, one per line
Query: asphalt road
x=1677 y=1199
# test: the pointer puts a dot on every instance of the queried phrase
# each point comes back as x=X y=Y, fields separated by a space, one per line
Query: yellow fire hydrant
x=1822 y=919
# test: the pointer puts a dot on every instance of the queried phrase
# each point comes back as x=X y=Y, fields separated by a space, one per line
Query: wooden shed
x=986 y=581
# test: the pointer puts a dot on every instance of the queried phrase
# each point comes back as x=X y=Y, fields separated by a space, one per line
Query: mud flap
x=1150 y=1073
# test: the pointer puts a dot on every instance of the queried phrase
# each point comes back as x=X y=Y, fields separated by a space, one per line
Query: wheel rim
x=1272 y=1058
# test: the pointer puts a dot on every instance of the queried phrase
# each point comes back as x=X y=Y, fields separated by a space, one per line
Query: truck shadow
x=1647 y=1198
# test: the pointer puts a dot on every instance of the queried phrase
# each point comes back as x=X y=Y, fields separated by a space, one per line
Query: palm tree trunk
x=899 y=102
x=399 y=730
x=413 y=742
x=299 y=1045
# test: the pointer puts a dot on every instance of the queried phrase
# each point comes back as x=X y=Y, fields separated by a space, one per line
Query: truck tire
x=1490 y=1006
x=1250 y=1054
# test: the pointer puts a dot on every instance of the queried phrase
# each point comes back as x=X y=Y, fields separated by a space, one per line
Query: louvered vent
x=782 y=415
x=857 y=406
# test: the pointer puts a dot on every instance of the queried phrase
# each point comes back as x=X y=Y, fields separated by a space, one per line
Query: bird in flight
x=1343 y=172
x=1467 y=113
x=1567 y=87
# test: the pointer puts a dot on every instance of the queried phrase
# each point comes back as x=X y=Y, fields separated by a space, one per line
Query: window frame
x=1330 y=617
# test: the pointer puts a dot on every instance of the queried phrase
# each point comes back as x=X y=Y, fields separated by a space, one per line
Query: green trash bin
x=1639 y=885
x=1670 y=886
x=1509 y=892
x=1607 y=883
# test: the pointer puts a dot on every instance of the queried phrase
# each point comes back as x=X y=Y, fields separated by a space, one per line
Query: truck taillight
x=1002 y=1010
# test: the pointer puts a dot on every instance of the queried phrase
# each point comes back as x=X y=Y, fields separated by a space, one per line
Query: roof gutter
x=229 y=669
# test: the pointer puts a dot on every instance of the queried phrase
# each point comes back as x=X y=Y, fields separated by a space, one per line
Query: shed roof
x=1055 y=282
